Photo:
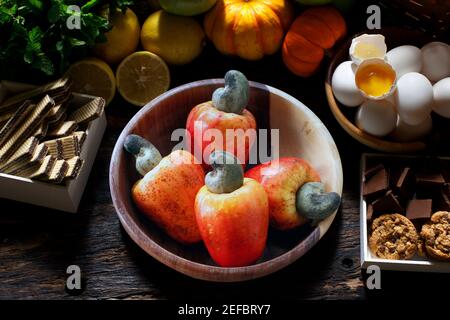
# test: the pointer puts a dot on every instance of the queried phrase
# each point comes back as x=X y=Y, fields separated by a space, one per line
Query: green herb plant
x=36 y=38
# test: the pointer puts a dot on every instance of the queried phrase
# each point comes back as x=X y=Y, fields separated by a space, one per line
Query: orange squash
x=317 y=29
x=249 y=29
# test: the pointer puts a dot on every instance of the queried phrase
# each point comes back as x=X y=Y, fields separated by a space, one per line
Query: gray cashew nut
x=146 y=154
x=235 y=95
x=314 y=203
x=227 y=174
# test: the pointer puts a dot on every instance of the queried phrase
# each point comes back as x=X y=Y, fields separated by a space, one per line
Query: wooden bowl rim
x=196 y=269
x=349 y=126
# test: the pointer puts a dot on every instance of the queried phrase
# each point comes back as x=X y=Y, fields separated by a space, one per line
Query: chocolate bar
x=416 y=189
x=377 y=185
x=405 y=184
x=419 y=209
x=387 y=204
x=371 y=171
x=442 y=202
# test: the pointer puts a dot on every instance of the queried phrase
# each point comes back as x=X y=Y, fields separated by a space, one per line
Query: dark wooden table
x=38 y=244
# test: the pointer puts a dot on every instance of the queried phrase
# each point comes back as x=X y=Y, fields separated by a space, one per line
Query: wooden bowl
x=302 y=134
x=346 y=115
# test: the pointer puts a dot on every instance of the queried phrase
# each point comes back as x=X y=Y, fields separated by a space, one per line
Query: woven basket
x=431 y=16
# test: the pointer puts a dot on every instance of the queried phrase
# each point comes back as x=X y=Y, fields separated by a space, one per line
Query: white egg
x=405 y=59
x=405 y=133
x=344 y=86
x=376 y=117
x=436 y=61
x=414 y=98
x=441 y=94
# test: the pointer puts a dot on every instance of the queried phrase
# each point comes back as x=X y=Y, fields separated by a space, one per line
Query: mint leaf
x=53 y=14
x=39 y=5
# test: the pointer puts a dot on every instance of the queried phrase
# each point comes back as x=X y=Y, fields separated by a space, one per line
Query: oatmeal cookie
x=436 y=235
x=393 y=237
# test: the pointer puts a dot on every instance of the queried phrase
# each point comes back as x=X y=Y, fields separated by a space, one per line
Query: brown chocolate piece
x=445 y=170
x=405 y=184
x=372 y=170
x=387 y=204
x=428 y=184
x=430 y=179
x=442 y=200
x=419 y=209
x=376 y=185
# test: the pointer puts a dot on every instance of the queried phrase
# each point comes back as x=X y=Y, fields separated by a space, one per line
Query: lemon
x=122 y=39
x=141 y=77
x=176 y=39
x=93 y=76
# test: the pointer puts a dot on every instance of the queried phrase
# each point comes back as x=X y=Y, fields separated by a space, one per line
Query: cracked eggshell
x=344 y=86
x=406 y=133
x=414 y=98
x=405 y=59
x=436 y=61
x=376 y=117
x=441 y=95
x=373 y=45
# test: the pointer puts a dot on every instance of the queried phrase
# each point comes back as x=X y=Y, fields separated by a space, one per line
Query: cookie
x=393 y=237
x=436 y=236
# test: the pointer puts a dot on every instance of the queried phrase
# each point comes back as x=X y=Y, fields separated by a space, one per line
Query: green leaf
x=34 y=39
x=44 y=64
x=76 y=42
x=39 y=5
x=53 y=14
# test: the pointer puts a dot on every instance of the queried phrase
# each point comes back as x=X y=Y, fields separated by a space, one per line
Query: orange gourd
x=249 y=29
x=317 y=29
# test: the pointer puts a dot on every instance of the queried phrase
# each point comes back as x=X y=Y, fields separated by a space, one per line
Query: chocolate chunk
x=445 y=170
x=394 y=175
x=387 y=204
x=428 y=184
x=419 y=209
x=376 y=185
x=405 y=184
x=372 y=170
x=430 y=179
x=442 y=199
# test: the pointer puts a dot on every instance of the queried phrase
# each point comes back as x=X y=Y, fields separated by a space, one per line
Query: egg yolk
x=367 y=50
x=375 y=80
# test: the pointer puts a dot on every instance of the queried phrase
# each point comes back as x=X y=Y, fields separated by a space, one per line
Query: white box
x=64 y=197
x=417 y=263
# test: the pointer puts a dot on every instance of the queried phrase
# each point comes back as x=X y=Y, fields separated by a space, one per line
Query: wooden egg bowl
x=346 y=115
x=302 y=134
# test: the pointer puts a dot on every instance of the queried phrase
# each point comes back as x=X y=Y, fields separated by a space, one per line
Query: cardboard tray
x=66 y=196
x=417 y=263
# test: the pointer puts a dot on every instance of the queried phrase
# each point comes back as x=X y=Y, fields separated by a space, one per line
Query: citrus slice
x=141 y=77
x=93 y=76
